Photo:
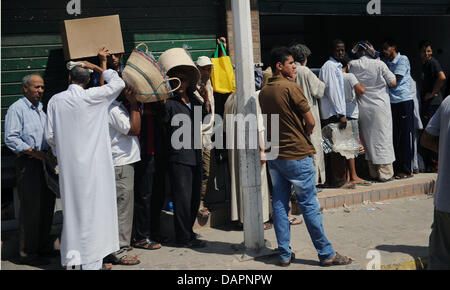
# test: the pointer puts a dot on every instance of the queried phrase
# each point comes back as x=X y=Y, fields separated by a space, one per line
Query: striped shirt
x=24 y=126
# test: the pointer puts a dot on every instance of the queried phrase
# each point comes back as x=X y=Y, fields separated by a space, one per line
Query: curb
x=418 y=263
x=336 y=198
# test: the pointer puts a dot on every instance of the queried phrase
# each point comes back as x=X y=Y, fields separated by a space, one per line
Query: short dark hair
x=279 y=54
x=390 y=42
x=335 y=43
x=79 y=75
x=425 y=43
x=345 y=60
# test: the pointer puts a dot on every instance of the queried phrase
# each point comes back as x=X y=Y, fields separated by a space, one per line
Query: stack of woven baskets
x=148 y=77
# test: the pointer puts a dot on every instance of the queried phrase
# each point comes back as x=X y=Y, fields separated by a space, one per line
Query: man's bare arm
x=135 y=115
x=310 y=123
x=430 y=142
x=360 y=89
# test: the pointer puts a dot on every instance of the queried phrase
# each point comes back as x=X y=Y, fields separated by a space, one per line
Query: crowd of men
x=114 y=154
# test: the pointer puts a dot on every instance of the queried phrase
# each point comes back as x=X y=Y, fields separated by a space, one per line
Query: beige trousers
x=382 y=172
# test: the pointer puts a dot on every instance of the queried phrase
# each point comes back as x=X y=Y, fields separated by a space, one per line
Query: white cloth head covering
x=204 y=61
x=71 y=64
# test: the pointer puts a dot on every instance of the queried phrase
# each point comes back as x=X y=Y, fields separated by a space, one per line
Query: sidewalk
x=398 y=229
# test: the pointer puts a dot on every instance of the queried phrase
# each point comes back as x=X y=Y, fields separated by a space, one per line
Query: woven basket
x=143 y=73
x=179 y=58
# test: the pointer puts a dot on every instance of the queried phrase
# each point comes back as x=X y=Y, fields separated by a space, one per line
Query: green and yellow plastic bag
x=222 y=76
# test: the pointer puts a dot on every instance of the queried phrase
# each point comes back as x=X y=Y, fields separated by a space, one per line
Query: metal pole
x=249 y=159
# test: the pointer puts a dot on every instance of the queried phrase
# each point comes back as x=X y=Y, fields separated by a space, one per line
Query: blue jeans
x=301 y=175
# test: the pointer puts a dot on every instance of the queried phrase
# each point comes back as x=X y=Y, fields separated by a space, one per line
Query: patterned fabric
x=24 y=126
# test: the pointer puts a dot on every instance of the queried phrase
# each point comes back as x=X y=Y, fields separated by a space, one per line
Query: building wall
x=255 y=30
x=31 y=42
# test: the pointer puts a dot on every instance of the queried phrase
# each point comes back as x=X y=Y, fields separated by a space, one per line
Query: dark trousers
x=148 y=198
x=403 y=136
x=186 y=184
x=430 y=158
x=37 y=205
x=335 y=163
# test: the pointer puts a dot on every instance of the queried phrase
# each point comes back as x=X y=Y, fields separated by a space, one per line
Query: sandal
x=204 y=213
x=127 y=261
x=146 y=244
x=364 y=183
x=403 y=176
x=295 y=221
x=337 y=260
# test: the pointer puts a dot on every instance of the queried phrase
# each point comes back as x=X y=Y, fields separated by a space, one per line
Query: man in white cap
x=205 y=88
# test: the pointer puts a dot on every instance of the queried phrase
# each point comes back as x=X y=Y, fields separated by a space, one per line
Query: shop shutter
x=31 y=43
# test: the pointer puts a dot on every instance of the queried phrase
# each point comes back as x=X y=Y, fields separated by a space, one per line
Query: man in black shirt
x=185 y=155
x=432 y=80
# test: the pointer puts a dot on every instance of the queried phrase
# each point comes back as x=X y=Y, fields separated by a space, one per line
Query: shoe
x=287 y=263
x=34 y=261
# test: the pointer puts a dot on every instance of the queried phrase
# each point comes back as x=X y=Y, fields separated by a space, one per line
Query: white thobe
x=77 y=128
x=375 y=117
x=313 y=89
x=333 y=101
x=237 y=206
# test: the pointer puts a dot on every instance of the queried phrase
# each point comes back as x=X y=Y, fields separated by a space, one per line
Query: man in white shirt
x=333 y=110
x=436 y=138
x=124 y=127
x=77 y=129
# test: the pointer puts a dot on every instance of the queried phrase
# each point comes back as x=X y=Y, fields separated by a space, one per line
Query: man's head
x=33 y=88
x=113 y=60
x=390 y=49
x=184 y=77
x=282 y=62
x=300 y=53
x=337 y=49
x=204 y=65
x=79 y=76
x=426 y=50
x=345 y=61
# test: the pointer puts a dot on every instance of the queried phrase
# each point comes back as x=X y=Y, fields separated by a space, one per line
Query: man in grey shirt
x=436 y=137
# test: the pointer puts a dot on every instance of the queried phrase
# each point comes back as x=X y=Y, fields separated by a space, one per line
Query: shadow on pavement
x=413 y=251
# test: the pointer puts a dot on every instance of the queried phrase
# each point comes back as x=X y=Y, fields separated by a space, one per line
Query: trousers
x=37 y=205
x=186 y=183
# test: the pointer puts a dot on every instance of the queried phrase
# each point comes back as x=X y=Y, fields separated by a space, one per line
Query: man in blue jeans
x=294 y=165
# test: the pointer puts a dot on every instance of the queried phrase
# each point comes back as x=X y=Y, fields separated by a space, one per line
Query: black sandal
x=146 y=244
x=127 y=261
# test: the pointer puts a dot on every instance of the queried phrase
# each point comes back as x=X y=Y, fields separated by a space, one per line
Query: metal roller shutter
x=31 y=43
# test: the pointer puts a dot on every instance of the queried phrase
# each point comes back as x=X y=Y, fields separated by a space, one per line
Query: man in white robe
x=237 y=206
x=375 y=117
x=77 y=128
x=313 y=89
